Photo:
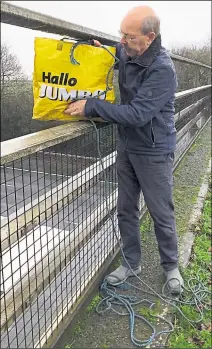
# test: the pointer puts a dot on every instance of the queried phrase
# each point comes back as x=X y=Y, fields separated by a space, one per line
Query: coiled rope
x=196 y=293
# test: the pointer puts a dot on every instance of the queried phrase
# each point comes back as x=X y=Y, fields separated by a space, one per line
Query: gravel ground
x=110 y=330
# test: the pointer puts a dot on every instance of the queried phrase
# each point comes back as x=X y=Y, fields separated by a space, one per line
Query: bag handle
x=91 y=43
x=60 y=43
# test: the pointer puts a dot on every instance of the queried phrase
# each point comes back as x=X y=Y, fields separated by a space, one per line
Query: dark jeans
x=152 y=175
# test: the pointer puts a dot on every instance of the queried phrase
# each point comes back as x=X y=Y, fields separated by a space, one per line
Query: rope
x=111 y=297
x=197 y=292
x=75 y=62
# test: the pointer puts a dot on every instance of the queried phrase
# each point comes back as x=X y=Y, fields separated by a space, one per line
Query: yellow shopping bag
x=66 y=71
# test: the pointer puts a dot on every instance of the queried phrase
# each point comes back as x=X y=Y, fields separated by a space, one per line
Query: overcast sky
x=182 y=22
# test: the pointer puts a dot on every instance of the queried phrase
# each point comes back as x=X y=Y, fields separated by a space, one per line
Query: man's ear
x=151 y=36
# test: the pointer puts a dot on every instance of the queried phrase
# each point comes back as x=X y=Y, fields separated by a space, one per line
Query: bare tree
x=17 y=99
x=11 y=70
x=193 y=76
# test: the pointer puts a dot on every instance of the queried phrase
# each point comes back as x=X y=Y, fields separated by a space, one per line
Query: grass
x=146 y=226
x=184 y=198
x=95 y=301
x=184 y=335
x=151 y=314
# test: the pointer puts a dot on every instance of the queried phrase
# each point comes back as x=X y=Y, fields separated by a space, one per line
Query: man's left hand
x=76 y=108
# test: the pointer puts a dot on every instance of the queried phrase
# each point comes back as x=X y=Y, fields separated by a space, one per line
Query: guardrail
x=51 y=217
x=22 y=17
x=56 y=235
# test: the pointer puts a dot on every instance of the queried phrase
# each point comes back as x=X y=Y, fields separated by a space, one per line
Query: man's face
x=134 y=45
x=133 y=41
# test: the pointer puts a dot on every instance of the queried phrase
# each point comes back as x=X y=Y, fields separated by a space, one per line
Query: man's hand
x=76 y=108
x=96 y=43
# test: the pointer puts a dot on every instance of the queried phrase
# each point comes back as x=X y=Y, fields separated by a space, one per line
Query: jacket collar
x=150 y=54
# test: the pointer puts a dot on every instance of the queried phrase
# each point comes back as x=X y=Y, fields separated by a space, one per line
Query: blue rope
x=75 y=62
x=196 y=290
x=111 y=298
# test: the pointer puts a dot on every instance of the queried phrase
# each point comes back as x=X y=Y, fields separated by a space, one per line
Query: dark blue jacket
x=145 y=116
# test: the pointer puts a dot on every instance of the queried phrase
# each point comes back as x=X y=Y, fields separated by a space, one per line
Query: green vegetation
x=187 y=197
x=151 y=314
x=146 y=226
x=184 y=335
x=96 y=299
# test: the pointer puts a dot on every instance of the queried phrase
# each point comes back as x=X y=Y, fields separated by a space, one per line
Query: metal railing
x=56 y=235
x=25 y=18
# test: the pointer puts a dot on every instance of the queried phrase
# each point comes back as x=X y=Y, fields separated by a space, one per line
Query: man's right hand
x=96 y=43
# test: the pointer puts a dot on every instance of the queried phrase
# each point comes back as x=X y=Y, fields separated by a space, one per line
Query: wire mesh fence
x=55 y=232
x=55 y=228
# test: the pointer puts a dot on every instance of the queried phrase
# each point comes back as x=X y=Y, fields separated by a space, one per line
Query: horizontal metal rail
x=190 y=109
x=49 y=203
x=181 y=59
x=23 y=17
x=16 y=148
x=191 y=91
x=189 y=125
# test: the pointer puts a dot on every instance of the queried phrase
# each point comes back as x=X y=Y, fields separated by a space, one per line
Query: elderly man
x=146 y=141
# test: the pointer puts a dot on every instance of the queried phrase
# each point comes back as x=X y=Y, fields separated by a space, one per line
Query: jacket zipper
x=125 y=72
x=126 y=143
x=151 y=120
x=152 y=135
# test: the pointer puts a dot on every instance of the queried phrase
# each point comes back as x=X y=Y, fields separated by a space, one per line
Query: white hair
x=151 y=24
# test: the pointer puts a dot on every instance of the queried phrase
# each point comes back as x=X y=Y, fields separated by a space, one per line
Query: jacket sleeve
x=154 y=93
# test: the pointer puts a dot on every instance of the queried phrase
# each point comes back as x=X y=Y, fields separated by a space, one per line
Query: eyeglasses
x=127 y=37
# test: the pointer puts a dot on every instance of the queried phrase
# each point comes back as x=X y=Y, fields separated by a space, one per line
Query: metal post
x=209 y=78
x=196 y=77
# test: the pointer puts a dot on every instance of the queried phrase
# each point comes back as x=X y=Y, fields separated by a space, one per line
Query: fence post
x=196 y=77
x=209 y=78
